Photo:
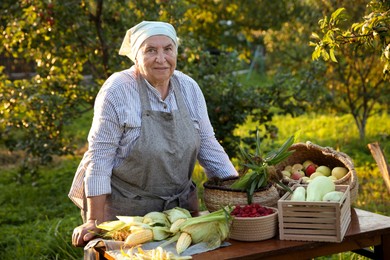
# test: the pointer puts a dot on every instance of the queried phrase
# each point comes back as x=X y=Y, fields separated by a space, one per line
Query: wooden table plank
x=366 y=229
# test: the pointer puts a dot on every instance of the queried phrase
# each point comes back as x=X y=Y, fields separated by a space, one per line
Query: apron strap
x=145 y=104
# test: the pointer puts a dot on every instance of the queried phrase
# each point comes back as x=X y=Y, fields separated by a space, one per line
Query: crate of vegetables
x=318 y=211
x=253 y=222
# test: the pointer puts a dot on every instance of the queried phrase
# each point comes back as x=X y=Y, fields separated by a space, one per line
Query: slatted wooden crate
x=314 y=221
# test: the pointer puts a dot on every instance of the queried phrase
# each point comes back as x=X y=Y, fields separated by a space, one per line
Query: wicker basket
x=220 y=195
x=323 y=156
x=254 y=229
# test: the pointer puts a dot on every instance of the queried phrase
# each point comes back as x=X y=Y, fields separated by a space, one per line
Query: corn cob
x=139 y=236
x=116 y=229
x=175 y=226
x=183 y=242
x=119 y=235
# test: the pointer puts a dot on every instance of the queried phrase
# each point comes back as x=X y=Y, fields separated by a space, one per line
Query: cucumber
x=299 y=194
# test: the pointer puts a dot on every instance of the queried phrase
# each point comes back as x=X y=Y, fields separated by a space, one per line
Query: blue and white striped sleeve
x=103 y=138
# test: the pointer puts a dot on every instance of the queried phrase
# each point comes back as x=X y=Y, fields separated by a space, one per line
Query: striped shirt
x=116 y=127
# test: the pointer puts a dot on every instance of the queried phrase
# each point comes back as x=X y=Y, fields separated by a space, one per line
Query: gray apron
x=157 y=175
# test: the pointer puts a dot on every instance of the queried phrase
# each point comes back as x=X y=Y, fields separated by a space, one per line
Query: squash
x=318 y=187
x=334 y=196
x=299 y=194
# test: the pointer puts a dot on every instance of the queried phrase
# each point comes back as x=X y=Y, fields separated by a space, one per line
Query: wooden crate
x=314 y=221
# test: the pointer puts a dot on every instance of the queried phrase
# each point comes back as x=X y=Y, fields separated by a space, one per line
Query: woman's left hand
x=84 y=233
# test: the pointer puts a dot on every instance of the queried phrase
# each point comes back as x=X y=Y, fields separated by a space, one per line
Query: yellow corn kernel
x=183 y=242
x=139 y=236
x=120 y=234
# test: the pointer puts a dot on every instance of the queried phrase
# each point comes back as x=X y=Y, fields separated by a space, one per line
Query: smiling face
x=156 y=60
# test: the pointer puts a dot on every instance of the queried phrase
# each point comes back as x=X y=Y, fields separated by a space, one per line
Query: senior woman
x=150 y=126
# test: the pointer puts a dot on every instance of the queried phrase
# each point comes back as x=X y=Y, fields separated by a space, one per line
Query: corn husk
x=212 y=228
x=160 y=233
x=175 y=226
x=134 y=220
x=116 y=229
x=156 y=218
x=177 y=213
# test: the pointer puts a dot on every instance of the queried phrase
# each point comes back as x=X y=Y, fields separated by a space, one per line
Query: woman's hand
x=85 y=232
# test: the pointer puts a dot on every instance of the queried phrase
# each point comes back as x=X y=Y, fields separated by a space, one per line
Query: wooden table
x=367 y=229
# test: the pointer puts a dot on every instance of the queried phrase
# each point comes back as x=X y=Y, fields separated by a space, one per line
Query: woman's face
x=156 y=59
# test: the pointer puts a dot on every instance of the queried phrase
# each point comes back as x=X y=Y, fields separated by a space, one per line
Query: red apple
x=310 y=170
x=297 y=175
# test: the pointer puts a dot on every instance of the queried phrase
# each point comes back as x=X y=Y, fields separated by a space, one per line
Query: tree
x=73 y=46
x=372 y=32
x=64 y=43
x=356 y=82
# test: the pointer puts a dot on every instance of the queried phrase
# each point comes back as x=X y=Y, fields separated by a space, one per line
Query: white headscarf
x=136 y=35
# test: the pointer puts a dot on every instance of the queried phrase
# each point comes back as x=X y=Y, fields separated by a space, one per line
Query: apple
x=288 y=168
x=339 y=172
x=296 y=175
x=305 y=179
x=307 y=163
x=310 y=169
x=325 y=170
x=332 y=178
x=286 y=173
x=297 y=167
x=316 y=174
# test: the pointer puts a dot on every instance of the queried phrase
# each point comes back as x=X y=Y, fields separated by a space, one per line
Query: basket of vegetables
x=258 y=181
x=309 y=161
x=253 y=222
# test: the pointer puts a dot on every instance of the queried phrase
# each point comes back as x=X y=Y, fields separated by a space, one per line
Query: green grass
x=37 y=218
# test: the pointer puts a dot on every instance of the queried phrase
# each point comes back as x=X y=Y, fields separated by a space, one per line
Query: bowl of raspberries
x=253 y=222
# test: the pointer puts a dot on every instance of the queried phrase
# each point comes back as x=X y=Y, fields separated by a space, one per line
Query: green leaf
x=246 y=155
x=316 y=53
x=261 y=181
x=336 y=14
x=315 y=36
x=253 y=166
x=275 y=156
x=258 y=142
x=332 y=56
x=281 y=157
x=285 y=187
x=251 y=191
x=356 y=26
x=252 y=180
x=325 y=55
x=242 y=182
